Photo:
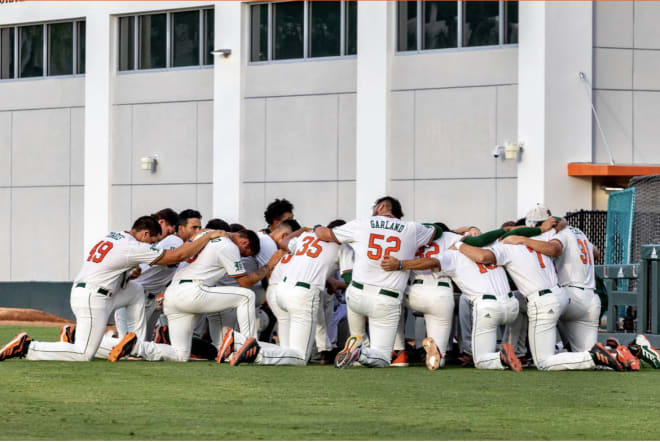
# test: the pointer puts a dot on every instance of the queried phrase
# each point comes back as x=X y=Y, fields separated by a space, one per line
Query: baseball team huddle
x=223 y=292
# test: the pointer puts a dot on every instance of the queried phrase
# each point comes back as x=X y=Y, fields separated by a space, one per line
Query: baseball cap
x=538 y=214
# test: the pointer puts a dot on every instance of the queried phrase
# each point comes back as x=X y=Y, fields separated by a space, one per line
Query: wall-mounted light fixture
x=224 y=52
x=149 y=163
x=511 y=151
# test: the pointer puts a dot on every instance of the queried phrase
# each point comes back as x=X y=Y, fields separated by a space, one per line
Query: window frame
x=459 y=32
x=45 y=49
x=306 y=35
x=169 y=44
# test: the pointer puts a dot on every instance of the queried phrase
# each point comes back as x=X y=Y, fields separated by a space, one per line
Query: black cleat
x=603 y=357
x=16 y=348
x=247 y=353
x=124 y=348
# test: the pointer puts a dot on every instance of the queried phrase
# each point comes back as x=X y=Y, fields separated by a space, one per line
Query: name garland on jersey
x=389 y=225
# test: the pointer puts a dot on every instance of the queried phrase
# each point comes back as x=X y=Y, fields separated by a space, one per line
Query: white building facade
x=327 y=104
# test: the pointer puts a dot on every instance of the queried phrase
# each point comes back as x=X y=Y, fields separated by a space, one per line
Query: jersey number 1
x=99 y=251
x=377 y=252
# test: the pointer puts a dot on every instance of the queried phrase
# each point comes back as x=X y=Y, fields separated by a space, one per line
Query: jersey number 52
x=375 y=251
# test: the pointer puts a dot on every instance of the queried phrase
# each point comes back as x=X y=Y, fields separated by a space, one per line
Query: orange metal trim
x=591 y=169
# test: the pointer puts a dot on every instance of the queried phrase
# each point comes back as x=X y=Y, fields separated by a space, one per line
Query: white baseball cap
x=538 y=214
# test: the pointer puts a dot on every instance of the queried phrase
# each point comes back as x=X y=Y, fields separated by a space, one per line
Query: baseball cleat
x=67 y=334
x=16 y=348
x=602 y=357
x=350 y=353
x=247 y=353
x=433 y=355
x=509 y=359
x=124 y=348
x=399 y=359
x=466 y=361
x=226 y=348
x=162 y=335
x=641 y=348
x=612 y=343
x=625 y=358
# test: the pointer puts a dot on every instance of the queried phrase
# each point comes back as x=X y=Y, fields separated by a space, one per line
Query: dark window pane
x=80 y=63
x=324 y=26
x=288 y=30
x=259 y=33
x=407 y=26
x=126 y=43
x=511 y=23
x=185 y=38
x=6 y=53
x=31 y=43
x=153 y=41
x=481 y=23
x=440 y=25
x=209 y=35
x=351 y=28
x=60 y=49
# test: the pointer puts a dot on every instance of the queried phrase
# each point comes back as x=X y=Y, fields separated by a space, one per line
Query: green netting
x=618 y=240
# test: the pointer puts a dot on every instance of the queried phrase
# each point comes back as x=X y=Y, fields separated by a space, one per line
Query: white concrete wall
x=626 y=51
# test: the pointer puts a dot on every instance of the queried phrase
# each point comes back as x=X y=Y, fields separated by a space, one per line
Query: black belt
x=100 y=291
x=440 y=283
x=544 y=292
x=493 y=297
x=185 y=281
x=575 y=287
x=385 y=292
x=303 y=284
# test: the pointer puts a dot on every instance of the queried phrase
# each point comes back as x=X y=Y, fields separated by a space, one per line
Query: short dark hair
x=292 y=223
x=147 y=223
x=276 y=209
x=520 y=222
x=217 y=224
x=255 y=244
x=336 y=223
x=168 y=215
x=394 y=204
x=442 y=226
x=508 y=224
x=236 y=227
x=187 y=214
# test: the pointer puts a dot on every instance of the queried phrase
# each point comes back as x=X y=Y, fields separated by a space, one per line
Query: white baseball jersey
x=267 y=250
x=112 y=257
x=374 y=238
x=346 y=258
x=313 y=260
x=575 y=266
x=473 y=279
x=530 y=270
x=249 y=265
x=442 y=244
x=154 y=279
x=220 y=257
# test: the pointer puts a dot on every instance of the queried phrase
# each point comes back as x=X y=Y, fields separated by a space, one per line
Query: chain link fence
x=594 y=224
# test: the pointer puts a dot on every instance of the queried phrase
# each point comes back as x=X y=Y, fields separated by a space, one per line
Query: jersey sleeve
x=501 y=253
x=347 y=233
x=230 y=259
x=447 y=262
x=293 y=244
x=562 y=237
x=424 y=234
x=143 y=253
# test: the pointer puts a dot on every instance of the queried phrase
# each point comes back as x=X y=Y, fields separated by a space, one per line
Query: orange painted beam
x=591 y=169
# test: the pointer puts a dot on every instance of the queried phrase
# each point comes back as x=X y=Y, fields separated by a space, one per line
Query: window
x=427 y=25
x=302 y=29
x=60 y=49
x=40 y=50
x=31 y=50
x=7 y=53
x=185 y=38
x=166 y=40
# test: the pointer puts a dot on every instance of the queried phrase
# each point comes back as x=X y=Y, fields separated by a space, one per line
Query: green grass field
x=200 y=400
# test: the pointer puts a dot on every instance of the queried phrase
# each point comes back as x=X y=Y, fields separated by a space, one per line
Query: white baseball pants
x=579 y=322
x=543 y=312
x=183 y=303
x=151 y=314
x=92 y=311
x=299 y=308
x=383 y=312
x=488 y=313
x=357 y=324
x=437 y=304
x=324 y=322
x=515 y=333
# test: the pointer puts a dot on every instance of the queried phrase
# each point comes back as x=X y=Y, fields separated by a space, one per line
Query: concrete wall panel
x=205 y=142
x=77 y=146
x=347 y=136
x=167 y=86
x=302 y=138
x=506 y=193
x=42 y=93
x=647 y=31
x=455 y=133
x=402 y=133
x=121 y=217
x=404 y=191
x=5 y=232
x=40 y=250
x=205 y=201
x=613 y=24
x=314 y=202
x=149 y=199
x=615 y=112
x=507 y=127
x=121 y=167
x=76 y=225
x=253 y=204
x=5 y=148
x=254 y=140
x=646 y=111
x=346 y=200
x=647 y=66
x=613 y=68
x=41 y=147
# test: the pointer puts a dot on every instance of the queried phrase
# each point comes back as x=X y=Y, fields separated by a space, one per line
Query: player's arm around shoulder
x=250 y=279
x=391 y=264
x=550 y=248
x=188 y=249
x=476 y=254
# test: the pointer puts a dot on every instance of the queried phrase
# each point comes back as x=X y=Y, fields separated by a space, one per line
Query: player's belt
x=440 y=283
x=385 y=292
x=493 y=297
x=544 y=292
x=185 y=281
x=511 y=295
x=100 y=291
x=574 y=286
x=303 y=284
